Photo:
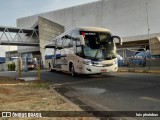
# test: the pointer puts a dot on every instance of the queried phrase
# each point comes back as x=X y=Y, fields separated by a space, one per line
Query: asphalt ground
x=121 y=91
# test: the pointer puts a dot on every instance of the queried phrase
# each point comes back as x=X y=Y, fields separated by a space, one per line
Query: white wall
x=0 y=67
x=129 y=17
x=122 y=17
x=4 y=67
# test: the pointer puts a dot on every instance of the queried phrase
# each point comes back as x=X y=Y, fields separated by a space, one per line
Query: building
x=130 y=19
x=10 y=55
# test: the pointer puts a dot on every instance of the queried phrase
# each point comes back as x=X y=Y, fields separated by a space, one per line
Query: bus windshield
x=99 y=46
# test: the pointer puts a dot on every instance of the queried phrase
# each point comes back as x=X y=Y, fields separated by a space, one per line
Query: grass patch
x=40 y=85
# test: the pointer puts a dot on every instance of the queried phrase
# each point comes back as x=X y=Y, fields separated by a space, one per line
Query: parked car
x=30 y=66
x=140 y=58
x=120 y=60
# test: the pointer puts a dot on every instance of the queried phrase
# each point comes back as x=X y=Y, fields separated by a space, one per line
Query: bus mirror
x=119 y=38
x=81 y=38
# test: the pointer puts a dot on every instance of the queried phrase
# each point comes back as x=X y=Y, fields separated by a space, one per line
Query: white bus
x=83 y=50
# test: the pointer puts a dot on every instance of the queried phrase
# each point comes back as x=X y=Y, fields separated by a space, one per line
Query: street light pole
x=148 y=28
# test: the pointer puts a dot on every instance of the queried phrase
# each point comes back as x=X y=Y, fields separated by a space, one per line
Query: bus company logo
x=6 y=114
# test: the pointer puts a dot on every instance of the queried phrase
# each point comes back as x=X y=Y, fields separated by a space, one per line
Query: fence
x=18 y=72
x=4 y=66
x=137 y=59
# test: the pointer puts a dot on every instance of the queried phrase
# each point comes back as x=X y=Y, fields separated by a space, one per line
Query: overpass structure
x=32 y=40
x=143 y=42
x=15 y=36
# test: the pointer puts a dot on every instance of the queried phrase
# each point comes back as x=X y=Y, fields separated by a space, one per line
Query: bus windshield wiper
x=96 y=54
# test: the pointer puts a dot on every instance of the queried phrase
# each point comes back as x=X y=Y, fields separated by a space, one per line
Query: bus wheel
x=72 y=70
x=50 y=69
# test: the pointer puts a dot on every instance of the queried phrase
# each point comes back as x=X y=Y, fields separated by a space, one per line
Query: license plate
x=104 y=70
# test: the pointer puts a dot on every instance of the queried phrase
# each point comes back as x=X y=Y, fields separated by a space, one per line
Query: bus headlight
x=87 y=62
x=115 y=61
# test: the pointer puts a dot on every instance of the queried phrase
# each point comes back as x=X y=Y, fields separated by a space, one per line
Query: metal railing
x=140 y=63
x=18 y=36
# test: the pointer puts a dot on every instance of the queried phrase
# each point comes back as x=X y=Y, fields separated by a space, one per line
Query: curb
x=154 y=71
x=72 y=104
x=140 y=71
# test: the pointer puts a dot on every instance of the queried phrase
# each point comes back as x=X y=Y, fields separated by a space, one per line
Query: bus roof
x=96 y=29
x=91 y=29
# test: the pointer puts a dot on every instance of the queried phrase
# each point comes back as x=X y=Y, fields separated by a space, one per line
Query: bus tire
x=72 y=70
x=50 y=69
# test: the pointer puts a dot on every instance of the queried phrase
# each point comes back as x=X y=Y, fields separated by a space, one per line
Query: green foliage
x=11 y=66
x=40 y=85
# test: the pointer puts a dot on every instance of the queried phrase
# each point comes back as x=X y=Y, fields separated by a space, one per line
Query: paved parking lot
x=114 y=92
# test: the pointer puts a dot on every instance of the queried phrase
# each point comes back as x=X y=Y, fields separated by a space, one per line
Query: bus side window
x=76 y=44
x=70 y=44
x=67 y=43
x=78 y=48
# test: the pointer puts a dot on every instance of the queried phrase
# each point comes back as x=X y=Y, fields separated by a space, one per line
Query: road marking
x=150 y=99
x=92 y=90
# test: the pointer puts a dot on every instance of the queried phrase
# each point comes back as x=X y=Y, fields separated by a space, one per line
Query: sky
x=10 y=10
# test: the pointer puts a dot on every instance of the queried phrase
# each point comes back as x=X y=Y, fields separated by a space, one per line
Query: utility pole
x=148 y=28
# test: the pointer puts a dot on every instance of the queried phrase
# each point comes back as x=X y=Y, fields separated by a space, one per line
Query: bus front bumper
x=88 y=69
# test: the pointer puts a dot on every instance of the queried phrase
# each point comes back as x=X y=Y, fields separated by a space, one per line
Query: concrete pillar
x=48 y=30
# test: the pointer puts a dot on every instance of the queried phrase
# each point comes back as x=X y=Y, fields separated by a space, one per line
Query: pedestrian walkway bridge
x=18 y=36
